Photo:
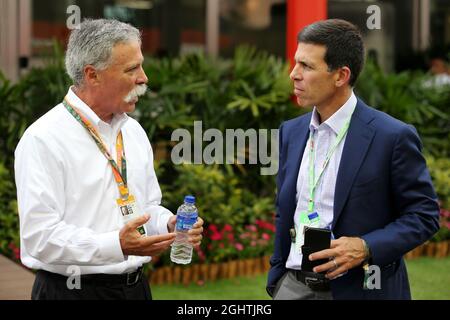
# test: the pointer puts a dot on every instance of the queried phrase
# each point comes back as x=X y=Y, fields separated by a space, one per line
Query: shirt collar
x=118 y=119
x=338 y=119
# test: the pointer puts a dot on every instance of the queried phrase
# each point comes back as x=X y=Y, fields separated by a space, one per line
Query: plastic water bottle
x=187 y=215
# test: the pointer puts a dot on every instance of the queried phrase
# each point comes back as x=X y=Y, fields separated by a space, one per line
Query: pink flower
x=216 y=236
x=213 y=228
x=244 y=235
x=239 y=246
x=445 y=213
x=265 y=236
x=265 y=225
x=253 y=243
x=227 y=228
x=252 y=228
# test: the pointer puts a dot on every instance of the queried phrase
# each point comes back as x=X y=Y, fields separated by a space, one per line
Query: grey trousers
x=289 y=288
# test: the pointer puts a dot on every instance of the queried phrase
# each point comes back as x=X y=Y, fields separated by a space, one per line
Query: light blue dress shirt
x=324 y=136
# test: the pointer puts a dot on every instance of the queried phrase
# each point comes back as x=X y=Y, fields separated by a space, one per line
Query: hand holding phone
x=316 y=239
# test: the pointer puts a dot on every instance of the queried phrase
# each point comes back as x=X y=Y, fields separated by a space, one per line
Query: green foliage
x=227 y=207
x=250 y=91
x=43 y=88
x=406 y=96
x=12 y=122
x=440 y=174
x=23 y=103
x=221 y=196
x=9 y=219
x=260 y=85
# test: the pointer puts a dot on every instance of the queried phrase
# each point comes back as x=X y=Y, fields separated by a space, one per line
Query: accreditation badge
x=130 y=211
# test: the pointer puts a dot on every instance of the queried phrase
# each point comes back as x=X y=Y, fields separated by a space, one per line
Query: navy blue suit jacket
x=383 y=194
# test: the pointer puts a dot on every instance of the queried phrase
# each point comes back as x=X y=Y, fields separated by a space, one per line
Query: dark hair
x=343 y=42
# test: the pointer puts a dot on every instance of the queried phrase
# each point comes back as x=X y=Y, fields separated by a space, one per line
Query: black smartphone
x=316 y=239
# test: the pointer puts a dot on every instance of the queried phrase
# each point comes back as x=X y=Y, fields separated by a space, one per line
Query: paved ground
x=15 y=282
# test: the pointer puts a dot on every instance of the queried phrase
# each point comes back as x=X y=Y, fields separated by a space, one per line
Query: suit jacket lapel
x=357 y=142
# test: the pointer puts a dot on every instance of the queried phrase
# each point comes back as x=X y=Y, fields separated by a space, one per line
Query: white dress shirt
x=67 y=193
x=324 y=136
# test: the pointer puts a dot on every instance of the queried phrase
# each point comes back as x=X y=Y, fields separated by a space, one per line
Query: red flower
x=213 y=228
x=265 y=236
x=227 y=228
x=216 y=236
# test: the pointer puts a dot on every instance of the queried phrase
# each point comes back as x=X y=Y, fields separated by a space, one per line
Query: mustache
x=138 y=91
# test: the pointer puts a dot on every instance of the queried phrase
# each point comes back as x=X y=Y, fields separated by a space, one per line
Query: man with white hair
x=82 y=167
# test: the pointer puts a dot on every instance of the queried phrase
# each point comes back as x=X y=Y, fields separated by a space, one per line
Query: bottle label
x=185 y=223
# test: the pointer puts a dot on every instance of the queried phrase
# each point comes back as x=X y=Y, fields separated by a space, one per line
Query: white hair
x=92 y=44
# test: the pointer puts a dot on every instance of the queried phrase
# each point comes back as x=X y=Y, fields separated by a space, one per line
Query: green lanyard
x=313 y=183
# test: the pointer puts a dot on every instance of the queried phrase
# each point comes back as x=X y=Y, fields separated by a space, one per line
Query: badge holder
x=130 y=211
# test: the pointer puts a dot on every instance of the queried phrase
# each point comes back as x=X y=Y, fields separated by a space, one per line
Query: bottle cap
x=189 y=199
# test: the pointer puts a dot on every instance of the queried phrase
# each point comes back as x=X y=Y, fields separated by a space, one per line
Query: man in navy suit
x=351 y=169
